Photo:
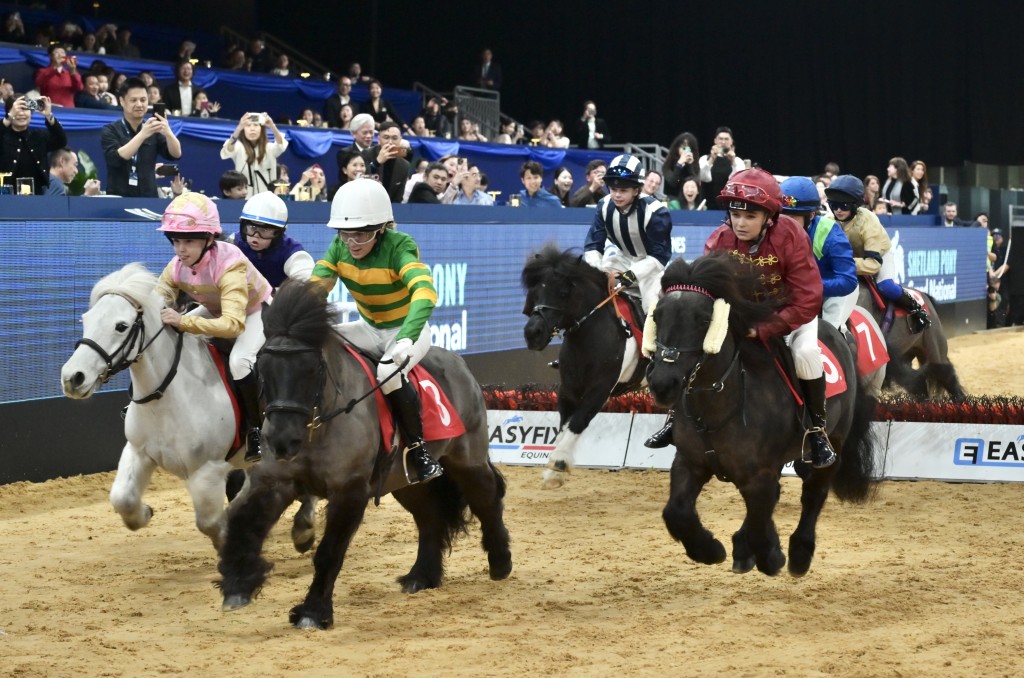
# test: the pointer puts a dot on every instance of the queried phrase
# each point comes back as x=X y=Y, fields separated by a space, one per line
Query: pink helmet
x=191 y=213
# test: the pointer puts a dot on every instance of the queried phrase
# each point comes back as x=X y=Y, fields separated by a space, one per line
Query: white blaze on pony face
x=107 y=324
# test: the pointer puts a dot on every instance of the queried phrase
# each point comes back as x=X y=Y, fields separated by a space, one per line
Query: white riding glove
x=401 y=351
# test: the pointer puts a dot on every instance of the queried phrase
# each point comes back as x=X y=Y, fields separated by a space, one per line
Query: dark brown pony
x=934 y=375
x=321 y=437
x=737 y=419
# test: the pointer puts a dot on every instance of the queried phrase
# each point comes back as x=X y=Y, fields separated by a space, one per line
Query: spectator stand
x=201 y=140
x=239 y=92
x=154 y=42
x=300 y=63
x=652 y=156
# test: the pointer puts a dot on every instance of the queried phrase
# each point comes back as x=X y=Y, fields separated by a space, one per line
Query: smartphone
x=160 y=109
x=167 y=171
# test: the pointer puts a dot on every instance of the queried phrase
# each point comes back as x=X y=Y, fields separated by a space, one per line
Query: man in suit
x=488 y=75
x=332 y=107
x=591 y=131
x=178 y=95
x=388 y=160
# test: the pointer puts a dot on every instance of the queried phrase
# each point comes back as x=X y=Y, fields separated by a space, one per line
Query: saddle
x=786 y=367
x=220 y=350
x=630 y=313
x=889 y=309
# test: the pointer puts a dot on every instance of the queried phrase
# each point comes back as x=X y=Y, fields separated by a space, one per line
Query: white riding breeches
x=379 y=343
x=247 y=344
x=803 y=342
x=836 y=310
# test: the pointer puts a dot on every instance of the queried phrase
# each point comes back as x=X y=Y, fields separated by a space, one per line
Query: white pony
x=188 y=430
x=180 y=418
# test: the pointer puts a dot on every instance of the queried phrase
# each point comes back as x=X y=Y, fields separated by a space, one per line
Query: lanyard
x=135 y=158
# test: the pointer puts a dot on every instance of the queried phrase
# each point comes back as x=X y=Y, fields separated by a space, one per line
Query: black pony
x=738 y=418
x=598 y=358
x=322 y=437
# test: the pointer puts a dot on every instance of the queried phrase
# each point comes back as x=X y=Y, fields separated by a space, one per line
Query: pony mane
x=134 y=281
x=298 y=311
x=568 y=263
x=724 y=278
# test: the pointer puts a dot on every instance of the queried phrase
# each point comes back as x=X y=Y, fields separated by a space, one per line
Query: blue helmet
x=799 y=194
x=624 y=171
x=846 y=188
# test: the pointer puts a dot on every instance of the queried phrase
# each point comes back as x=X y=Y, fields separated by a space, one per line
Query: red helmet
x=752 y=187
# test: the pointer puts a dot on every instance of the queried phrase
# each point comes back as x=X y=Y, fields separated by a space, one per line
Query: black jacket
x=35 y=146
x=424 y=194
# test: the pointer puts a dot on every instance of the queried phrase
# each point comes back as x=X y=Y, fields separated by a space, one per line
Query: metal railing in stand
x=652 y=156
x=482 y=106
x=298 y=62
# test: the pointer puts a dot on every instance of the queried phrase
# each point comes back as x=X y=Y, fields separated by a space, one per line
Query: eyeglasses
x=357 y=237
x=264 y=232
x=836 y=206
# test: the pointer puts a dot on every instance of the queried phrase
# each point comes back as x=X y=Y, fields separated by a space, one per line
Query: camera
x=257 y=118
x=34 y=104
x=167 y=171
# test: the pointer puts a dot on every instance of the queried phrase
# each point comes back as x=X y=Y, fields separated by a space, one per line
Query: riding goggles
x=251 y=229
x=357 y=237
x=836 y=205
x=754 y=194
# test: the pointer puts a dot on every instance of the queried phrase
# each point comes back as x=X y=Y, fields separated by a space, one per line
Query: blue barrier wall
x=55 y=249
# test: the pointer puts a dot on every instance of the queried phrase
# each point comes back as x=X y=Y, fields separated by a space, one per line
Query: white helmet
x=360 y=205
x=265 y=208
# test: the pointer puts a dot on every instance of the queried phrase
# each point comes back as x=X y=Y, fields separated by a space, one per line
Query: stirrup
x=425 y=467
x=820 y=455
x=553 y=363
x=253 y=445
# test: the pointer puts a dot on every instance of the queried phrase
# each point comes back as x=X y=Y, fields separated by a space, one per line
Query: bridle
x=136 y=337
x=556 y=329
x=312 y=412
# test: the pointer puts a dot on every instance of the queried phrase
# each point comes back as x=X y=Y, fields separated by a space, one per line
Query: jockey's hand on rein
x=626 y=278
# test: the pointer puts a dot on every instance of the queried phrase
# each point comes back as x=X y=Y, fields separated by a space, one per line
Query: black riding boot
x=249 y=390
x=663 y=438
x=917 y=317
x=822 y=454
x=419 y=465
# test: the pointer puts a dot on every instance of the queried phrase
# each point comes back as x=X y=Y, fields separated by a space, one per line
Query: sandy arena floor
x=925 y=581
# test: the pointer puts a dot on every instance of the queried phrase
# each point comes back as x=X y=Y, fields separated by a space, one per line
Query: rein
x=695 y=417
x=136 y=335
x=316 y=420
x=555 y=329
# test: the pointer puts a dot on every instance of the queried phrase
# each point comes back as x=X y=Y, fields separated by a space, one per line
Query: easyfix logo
x=982 y=452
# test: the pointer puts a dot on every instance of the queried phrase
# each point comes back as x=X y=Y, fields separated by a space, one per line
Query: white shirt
x=186 y=98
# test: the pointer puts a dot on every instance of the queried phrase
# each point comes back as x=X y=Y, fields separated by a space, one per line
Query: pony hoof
x=235 y=602
x=303 y=547
x=500 y=568
x=307 y=623
x=776 y=559
x=744 y=565
x=553 y=479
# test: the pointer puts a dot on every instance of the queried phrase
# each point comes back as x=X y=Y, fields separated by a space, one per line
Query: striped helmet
x=624 y=171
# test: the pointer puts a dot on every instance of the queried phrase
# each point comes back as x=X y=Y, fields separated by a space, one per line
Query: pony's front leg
x=812 y=498
x=206 y=485
x=134 y=471
x=344 y=514
x=250 y=517
x=680 y=513
x=576 y=417
x=304 y=524
x=761 y=494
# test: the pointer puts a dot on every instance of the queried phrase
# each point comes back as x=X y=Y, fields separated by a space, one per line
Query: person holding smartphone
x=60 y=80
x=131 y=145
x=253 y=155
x=388 y=160
x=720 y=163
x=22 y=150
